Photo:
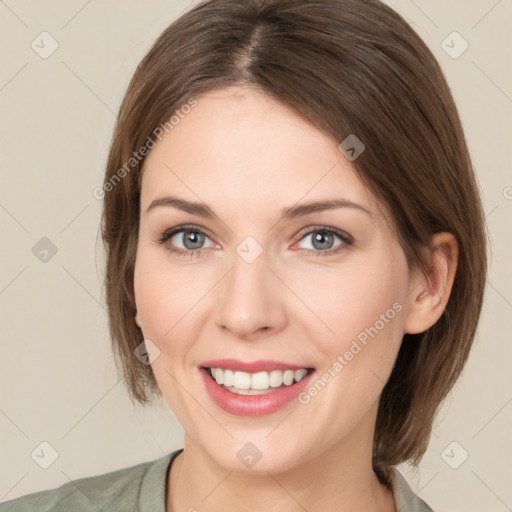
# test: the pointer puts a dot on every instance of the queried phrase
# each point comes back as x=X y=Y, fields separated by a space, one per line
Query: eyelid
x=346 y=238
x=169 y=233
x=338 y=232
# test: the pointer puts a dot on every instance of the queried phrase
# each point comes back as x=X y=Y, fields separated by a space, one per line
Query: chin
x=258 y=456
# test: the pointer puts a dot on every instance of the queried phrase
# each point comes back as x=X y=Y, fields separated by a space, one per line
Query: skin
x=248 y=157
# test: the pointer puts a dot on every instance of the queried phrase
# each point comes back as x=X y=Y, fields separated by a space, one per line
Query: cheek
x=151 y=298
x=163 y=297
x=362 y=308
x=163 y=300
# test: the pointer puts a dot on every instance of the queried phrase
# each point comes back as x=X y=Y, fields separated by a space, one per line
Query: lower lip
x=253 y=405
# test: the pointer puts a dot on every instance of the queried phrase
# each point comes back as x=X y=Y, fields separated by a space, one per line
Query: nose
x=250 y=300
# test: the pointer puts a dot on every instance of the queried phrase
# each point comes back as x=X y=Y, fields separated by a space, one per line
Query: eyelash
x=345 y=238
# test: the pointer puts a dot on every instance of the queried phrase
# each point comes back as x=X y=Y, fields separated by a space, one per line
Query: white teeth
x=258 y=382
x=276 y=378
x=248 y=391
x=300 y=374
x=218 y=375
x=288 y=377
x=241 y=380
x=229 y=377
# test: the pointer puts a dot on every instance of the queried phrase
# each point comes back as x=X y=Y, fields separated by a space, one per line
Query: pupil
x=195 y=238
x=321 y=236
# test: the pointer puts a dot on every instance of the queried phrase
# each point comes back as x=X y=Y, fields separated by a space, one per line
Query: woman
x=295 y=258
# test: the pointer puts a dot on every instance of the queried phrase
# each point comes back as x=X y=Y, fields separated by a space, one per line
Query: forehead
x=239 y=145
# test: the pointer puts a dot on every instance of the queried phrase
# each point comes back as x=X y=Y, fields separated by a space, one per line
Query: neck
x=339 y=479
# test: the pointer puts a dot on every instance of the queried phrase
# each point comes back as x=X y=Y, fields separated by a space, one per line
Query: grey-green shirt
x=142 y=488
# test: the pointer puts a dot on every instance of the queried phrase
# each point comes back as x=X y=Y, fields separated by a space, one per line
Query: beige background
x=58 y=381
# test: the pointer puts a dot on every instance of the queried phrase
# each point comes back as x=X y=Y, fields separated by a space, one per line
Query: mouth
x=256 y=383
x=254 y=388
x=256 y=393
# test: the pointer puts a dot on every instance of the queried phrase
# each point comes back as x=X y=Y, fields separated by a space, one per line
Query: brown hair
x=348 y=67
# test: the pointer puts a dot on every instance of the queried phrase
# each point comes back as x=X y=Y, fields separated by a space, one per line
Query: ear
x=137 y=319
x=428 y=295
x=132 y=290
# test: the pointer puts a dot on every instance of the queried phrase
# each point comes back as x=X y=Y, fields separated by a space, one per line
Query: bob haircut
x=347 y=67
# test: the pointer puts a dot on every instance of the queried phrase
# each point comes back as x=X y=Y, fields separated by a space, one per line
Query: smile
x=257 y=393
x=244 y=383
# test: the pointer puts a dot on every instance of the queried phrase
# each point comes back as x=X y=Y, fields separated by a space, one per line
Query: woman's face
x=266 y=282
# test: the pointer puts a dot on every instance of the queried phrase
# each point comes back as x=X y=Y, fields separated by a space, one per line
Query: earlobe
x=427 y=306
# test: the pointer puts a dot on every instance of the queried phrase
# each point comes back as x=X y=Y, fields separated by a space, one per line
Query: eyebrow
x=292 y=212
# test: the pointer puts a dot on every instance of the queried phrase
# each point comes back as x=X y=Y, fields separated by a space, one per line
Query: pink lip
x=261 y=365
x=253 y=405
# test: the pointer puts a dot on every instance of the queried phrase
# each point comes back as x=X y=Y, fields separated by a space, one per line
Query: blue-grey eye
x=191 y=239
x=322 y=239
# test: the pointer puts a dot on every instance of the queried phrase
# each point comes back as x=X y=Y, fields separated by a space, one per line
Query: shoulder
x=139 y=487
x=405 y=498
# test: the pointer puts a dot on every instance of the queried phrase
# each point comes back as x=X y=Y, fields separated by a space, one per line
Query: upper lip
x=261 y=365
